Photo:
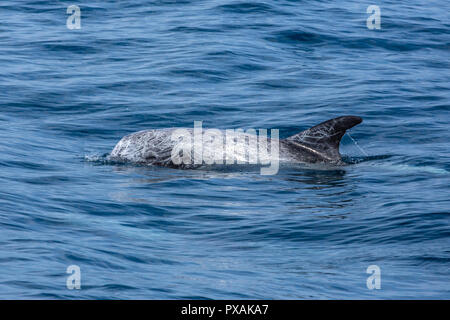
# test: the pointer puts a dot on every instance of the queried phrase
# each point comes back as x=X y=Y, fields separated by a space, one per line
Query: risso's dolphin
x=194 y=147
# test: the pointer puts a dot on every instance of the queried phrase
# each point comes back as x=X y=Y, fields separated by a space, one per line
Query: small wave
x=298 y=36
x=356 y=160
x=411 y=168
x=247 y=7
x=394 y=166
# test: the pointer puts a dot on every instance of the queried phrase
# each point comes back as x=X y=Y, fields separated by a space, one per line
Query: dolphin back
x=323 y=139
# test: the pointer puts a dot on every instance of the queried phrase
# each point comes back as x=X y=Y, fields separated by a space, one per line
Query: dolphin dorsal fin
x=324 y=138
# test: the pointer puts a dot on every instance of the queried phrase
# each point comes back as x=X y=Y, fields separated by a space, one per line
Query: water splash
x=95 y=157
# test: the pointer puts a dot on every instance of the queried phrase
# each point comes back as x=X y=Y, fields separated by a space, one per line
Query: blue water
x=68 y=96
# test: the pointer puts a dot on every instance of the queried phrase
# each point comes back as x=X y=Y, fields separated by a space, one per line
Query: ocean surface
x=67 y=96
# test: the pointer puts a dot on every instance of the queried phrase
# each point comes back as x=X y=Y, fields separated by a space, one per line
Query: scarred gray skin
x=319 y=144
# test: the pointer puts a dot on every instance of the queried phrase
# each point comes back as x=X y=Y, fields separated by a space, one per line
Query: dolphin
x=318 y=144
